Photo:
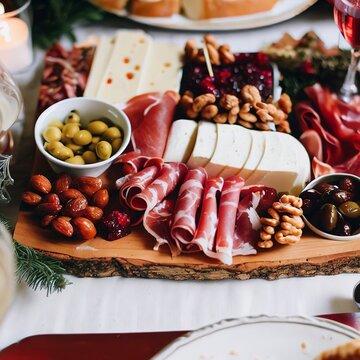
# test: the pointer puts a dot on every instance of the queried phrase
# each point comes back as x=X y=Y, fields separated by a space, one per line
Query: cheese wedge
x=122 y=77
x=181 y=140
x=256 y=153
x=163 y=69
x=102 y=55
x=278 y=167
x=204 y=146
x=237 y=152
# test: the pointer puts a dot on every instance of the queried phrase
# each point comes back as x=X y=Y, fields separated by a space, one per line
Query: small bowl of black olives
x=331 y=206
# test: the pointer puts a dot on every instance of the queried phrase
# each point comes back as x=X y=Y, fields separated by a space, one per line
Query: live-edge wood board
x=133 y=255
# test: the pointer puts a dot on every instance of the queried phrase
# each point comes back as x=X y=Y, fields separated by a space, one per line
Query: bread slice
x=154 y=8
x=207 y=9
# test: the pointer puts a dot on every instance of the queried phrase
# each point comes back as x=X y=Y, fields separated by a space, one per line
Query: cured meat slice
x=187 y=205
x=150 y=135
x=169 y=177
x=312 y=143
x=253 y=201
x=157 y=223
x=137 y=183
x=132 y=162
x=205 y=233
x=229 y=202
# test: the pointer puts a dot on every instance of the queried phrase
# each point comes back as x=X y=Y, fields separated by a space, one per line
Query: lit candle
x=15 y=51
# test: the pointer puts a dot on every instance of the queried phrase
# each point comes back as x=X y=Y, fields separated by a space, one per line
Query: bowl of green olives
x=82 y=136
x=331 y=206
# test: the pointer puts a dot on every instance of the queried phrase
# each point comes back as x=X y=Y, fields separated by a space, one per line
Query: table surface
x=117 y=305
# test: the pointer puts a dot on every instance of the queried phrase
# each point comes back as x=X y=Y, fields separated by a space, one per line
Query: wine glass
x=10 y=106
x=347 y=18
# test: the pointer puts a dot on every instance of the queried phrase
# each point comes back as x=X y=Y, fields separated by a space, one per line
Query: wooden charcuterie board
x=133 y=255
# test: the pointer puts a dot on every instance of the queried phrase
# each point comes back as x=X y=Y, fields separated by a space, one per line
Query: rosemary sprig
x=36 y=269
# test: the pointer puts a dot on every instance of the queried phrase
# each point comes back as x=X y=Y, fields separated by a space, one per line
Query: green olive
x=62 y=153
x=70 y=130
x=328 y=217
x=77 y=149
x=50 y=146
x=82 y=137
x=97 y=127
x=350 y=209
x=116 y=144
x=72 y=118
x=78 y=160
x=89 y=157
x=103 y=150
x=94 y=141
x=65 y=140
x=52 y=133
x=57 y=123
x=111 y=133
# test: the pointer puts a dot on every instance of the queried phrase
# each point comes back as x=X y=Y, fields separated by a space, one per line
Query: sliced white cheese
x=121 y=79
x=102 y=55
x=204 y=146
x=256 y=154
x=237 y=152
x=163 y=69
x=278 y=167
x=181 y=140
x=303 y=162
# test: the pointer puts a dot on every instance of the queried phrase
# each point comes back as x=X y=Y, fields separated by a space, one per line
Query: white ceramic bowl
x=89 y=109
x=329 y=178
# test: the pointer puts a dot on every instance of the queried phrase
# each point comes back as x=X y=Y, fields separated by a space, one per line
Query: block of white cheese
x=205 y=145
x=278 y=167
x=303 y=162
x=235 y=150
x=181 y=140
x=163 y=68
x=255 y=155
x=102 y=55
x=122 y=77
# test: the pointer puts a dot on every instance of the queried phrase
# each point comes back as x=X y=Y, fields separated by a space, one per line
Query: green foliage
x=55 y=18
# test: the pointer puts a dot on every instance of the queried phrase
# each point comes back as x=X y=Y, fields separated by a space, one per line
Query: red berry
x=115 y=225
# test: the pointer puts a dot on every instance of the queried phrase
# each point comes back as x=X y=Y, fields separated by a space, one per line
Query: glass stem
x=349 y=88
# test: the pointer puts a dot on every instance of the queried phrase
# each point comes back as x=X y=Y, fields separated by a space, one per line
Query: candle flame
x=2 y=8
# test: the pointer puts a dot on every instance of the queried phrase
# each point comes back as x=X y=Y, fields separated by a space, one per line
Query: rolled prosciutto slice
x=229 y=202
x=149 y=137
x=205 y=233
x=169 y=177
x=254 y=200
x=137 y=183
x=187 y=206
x=157 y=223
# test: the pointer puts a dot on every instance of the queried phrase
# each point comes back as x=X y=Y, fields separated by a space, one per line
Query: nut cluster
x=284 y=223
x=248 y=111
x=218 y=54
x=71 y=207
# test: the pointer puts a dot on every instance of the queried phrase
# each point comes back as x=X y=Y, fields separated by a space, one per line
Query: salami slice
x=169 y=177
x=229 y=202
x=205 y=233
x=187 y=205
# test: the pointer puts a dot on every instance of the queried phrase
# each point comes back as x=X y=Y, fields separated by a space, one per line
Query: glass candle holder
x=15 y=35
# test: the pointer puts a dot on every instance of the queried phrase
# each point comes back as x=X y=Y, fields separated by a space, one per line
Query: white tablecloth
x=136 y=305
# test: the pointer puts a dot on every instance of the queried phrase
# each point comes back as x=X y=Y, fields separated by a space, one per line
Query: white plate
x=259 y=338
x=283 y=10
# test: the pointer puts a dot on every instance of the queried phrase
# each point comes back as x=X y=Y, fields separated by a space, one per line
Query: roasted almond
x=69 y=194
x=40 y=183
x=62 y=183
x=75 y=207
x=51 y=198
x=93 y=213
x=48 y=209
x=31 y=198
x=63 y=226
x=46 y=220
x=83 y=228
x=100 y=198
x=87 y=185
